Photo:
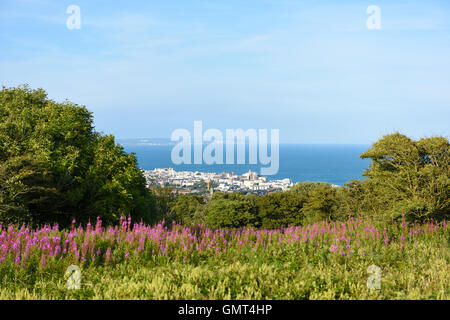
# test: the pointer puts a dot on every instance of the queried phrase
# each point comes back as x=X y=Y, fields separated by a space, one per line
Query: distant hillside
x=145 y=142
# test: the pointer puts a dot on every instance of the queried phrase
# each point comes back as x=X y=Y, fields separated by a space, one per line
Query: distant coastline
x=334 y=164
x=145 y=142
x=208 y=182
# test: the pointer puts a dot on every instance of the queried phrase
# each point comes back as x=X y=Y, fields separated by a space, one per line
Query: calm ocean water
x=335 y=164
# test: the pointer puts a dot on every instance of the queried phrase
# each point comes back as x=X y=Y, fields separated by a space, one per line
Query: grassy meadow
x=326 y=260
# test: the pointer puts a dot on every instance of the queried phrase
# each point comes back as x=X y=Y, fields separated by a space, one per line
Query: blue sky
x=311 y=69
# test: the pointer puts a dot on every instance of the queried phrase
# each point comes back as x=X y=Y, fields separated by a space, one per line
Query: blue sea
x=335 y=164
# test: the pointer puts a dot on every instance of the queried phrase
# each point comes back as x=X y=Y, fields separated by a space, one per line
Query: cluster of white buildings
x=224 y=182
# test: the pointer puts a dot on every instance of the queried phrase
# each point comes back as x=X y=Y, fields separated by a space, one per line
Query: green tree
x=187 y=209
x=163 y=196
x=303 y=189
x=321 y=204
x=55 y=167
x=413 y=177
x=231 y=210
x=280 y=209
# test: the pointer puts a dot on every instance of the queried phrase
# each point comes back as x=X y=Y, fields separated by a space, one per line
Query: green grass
x=286 y=273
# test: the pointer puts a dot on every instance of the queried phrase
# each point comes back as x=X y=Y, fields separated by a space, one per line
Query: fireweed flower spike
x=333 y=248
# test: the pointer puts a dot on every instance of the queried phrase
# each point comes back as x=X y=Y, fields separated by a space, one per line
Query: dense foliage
x=413 y=177
x=55 y=167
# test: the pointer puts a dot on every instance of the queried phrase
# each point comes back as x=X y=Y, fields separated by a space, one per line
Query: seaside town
x=188 y=182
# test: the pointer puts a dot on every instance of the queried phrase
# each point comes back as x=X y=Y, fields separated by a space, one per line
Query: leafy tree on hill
x=163 y=196
x=412 y=176
x=55 y=167
x=280 y=209
x=231 y=210
x=359 y=198
x=321 y=204
x=303 y=189
x=187 y=209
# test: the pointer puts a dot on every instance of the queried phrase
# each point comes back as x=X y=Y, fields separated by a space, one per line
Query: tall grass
x=326 y=260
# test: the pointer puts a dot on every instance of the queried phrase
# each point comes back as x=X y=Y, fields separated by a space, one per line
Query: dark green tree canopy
x=231 y=210
x=55 y=167
x=280 y=209
x=187 y=209
x=414 y=176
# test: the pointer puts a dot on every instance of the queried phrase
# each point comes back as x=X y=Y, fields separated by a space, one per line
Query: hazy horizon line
x=169 y=142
